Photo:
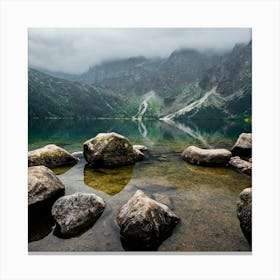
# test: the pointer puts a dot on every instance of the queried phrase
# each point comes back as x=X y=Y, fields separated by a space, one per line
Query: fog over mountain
x=75 y=50
x=187 y=84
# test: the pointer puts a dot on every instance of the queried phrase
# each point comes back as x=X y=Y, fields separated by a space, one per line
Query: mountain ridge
x=119 y=87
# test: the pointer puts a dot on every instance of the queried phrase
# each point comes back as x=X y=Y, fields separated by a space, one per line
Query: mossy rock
x=244 y=213
x=110 y=150
x=51 y=156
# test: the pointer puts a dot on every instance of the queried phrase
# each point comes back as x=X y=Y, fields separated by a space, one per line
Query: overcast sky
x=75 y=50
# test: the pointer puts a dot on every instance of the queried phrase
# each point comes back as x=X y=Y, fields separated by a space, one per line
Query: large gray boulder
x=110 y=150
x=144 y=221
x=243 y=145
x=73 y=213
x=51 y=156
x=208 y=157
x=244 y=213
x=43 y=185
x=242 y=165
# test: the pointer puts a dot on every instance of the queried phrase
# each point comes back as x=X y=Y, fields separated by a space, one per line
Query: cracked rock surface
x=43 y=185
x=110 y=150
x=145 y=221
x=75 y=212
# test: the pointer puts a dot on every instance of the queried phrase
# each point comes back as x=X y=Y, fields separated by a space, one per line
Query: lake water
x=204 y=198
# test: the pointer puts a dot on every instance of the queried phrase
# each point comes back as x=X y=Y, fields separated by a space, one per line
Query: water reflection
x=144 y=133
x=70 y=134
x=142 y=128
x=40 y=223
x=61 y=170
x=194 y=133
x=110 y=181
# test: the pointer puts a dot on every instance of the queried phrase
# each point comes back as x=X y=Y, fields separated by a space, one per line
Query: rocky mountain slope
x=53 y=97
x=226 y=87
x=187 y=84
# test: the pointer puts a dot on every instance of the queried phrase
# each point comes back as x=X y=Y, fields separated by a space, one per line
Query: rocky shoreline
x=142 y=221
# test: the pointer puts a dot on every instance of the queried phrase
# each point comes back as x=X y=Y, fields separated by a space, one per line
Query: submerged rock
x=110 y=150
x=144 y=221
x=243 y=145
x=244 y=213
x=51 y=156
x=209 y=157
x=43 y=185
x=73 y=213
x=241 y=165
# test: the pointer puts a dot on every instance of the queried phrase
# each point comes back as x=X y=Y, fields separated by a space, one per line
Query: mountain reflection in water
x=71 y=134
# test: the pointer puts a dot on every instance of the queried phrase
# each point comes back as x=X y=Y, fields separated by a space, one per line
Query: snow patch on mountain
x=190 y=107
x=144 y=105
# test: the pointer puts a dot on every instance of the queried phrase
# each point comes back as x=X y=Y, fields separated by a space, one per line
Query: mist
x=74 y=50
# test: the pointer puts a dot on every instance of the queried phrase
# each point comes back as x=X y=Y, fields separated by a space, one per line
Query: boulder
x=208 y=157
x=244 y=213
x=242 y=165
x=141 y=148
x=243 y=145
x=144 y=221
x=76 y=212
x=43 y=185
x=51 y=156
x=110 y=150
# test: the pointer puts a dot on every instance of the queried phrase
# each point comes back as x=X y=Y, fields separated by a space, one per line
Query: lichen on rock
x=75 y=212
x=145 y=222
x=110 y=150
x=51 y=156
x=43 y=185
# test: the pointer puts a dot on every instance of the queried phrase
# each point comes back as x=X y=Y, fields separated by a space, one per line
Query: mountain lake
x=203 y=197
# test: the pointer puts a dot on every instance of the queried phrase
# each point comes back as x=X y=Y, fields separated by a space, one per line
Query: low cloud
x=74 y=50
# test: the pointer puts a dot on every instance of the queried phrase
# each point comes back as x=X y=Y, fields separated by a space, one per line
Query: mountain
x=140 y=75
x=234 y=71
x=226 y=87
x=186 y=85
x=57 y=74
x=54 y=97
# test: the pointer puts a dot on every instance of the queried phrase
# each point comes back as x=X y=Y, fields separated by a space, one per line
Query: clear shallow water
x=203 y=197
